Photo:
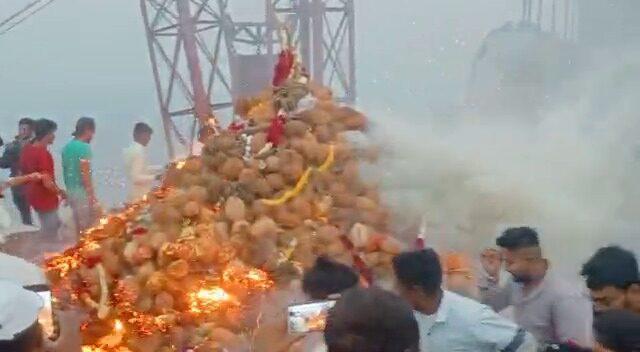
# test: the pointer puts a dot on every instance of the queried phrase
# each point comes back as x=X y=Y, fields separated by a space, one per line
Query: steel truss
x=199 y=54
x=554 y=16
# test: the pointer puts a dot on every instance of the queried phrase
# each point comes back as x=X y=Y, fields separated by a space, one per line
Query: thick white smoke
x=573 y=174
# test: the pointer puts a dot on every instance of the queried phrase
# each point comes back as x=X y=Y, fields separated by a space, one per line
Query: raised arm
x=491 y=293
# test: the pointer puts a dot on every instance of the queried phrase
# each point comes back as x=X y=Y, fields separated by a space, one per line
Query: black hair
x=83 y=125
x=518 y=238
x=618 y=330
x=611 y=266
x=43 y=127
x=141 y=128
x=327 y=278
x=27 y=341
x=26 y=121
x=371 y=320
x=419 y=268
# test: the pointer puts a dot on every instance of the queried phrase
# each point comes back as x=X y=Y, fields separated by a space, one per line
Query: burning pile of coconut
x=179 y=269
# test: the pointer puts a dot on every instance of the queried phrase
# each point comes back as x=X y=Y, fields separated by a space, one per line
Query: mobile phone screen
x=308 y=317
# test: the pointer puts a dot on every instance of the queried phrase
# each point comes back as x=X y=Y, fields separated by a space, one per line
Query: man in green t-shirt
x=76 y=166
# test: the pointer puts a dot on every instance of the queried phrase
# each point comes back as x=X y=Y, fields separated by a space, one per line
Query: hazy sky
x=89 y=57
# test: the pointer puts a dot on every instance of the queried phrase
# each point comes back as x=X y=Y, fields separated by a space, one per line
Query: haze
x=414 y=59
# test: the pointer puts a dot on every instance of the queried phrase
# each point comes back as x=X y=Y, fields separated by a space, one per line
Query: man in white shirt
x=448 y=321
x=135 y=157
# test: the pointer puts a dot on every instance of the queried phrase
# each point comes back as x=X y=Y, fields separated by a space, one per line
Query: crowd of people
x=518 y=303
x=421 y=314
x=32 y=173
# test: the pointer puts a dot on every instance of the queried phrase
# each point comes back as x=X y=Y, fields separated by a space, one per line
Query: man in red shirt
x=44 y=196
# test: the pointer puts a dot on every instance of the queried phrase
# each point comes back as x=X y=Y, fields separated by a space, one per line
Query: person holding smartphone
x=325 y=281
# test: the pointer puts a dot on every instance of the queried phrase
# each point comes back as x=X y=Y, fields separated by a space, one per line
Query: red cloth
x=35 y=158
x=283 y=67
x=276 y=130
x=237 y=126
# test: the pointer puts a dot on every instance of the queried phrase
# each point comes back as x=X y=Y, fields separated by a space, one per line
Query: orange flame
x=207 y=300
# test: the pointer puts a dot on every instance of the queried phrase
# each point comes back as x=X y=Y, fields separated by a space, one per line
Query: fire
x=253 y=279
x=208 y=300
x=100 y=349
x=118 y=326
x=63 y=264
x=180 y=164
x=114 y=339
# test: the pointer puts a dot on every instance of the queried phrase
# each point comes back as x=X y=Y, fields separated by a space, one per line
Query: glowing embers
x=209 y=300
x=252 y=279
x=111 y=342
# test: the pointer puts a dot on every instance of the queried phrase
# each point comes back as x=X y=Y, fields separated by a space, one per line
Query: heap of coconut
x=266 y=198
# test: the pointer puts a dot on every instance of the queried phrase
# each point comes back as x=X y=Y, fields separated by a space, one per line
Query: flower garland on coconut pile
x=178 y=270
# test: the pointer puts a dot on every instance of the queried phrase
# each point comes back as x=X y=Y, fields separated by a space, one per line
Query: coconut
x=328 y=234
x=287 y=218
x=391 y=246
x=192 y=165
x=232 y=168
x=156 y=282
x=197 y=194
x=163 y=302
x=191 y=209
x=258 y=142
x=301 y=207
x=264 y=227
x=234 y=209
x=223 y=142
x=178 y=269
x=359 y=235
x=276 y=181
x=248 y=176
x=352 y=119
x=295 y=128
x=260 y=188
x=272 y=163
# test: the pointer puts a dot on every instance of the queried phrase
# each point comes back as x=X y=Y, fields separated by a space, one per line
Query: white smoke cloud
x=573 y=174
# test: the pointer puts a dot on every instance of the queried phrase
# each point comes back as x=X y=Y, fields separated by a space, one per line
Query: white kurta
x=140 y=177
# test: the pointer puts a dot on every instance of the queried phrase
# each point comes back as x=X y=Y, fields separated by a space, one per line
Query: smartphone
x=308 y=317
x=45 y=317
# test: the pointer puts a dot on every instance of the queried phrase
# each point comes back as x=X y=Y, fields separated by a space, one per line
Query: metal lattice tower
x=202 y=59
x=554 y=16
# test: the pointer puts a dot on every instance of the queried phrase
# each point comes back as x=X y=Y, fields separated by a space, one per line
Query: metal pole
x=318 y=38
x=567 y=6
x=187 y=31
x=351 y=12
x=553 y=15
x=271 y=24
x=540 y=4
x=166 y=117
x=304 y=16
